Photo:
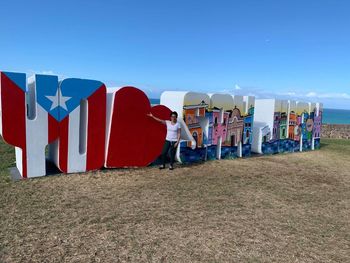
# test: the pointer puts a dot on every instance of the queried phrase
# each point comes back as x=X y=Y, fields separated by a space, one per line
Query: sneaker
x=171 y=167
x=161 y=167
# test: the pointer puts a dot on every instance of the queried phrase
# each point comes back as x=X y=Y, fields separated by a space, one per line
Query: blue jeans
x=169 y=147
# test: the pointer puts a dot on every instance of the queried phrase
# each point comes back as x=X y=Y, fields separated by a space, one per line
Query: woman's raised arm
x=155 y=118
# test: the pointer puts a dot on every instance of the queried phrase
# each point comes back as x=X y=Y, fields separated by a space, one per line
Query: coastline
x=336 y=131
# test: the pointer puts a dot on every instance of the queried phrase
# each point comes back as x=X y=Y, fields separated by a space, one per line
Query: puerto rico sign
x=80 y=125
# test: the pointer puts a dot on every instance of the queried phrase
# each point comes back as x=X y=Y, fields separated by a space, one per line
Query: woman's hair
x=173 y=113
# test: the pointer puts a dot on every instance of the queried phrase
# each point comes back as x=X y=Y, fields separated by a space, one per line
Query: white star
x=58 y=100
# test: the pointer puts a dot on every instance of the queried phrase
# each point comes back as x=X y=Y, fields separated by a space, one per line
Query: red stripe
x=96 y=132
x=63 y=145
x=14 y=117
x=53 y=128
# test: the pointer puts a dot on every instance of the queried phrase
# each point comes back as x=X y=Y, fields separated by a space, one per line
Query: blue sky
x=289 y=49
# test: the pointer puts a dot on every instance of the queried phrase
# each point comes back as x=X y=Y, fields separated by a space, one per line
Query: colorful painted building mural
x=283 y=126
x=248 y=126
x=191 y=116
x=248 y=120
x=223 y=147
x=292 y=124
x=235 y=128
x=219 y=126
x=218 y=122
x=276 y=126
x=223 y=126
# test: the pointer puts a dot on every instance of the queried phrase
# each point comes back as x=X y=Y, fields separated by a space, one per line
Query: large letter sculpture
x=82 y=121
x=230 y=125
x=87 y=126
x=286 y=126
x=70 y=116
x=215 y=126
x=134 y=138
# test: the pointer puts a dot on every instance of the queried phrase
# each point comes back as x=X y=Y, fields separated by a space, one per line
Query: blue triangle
x=18 y=78
x=77 y=89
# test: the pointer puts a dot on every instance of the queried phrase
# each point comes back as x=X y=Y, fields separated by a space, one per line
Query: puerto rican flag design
x=69 y=115
x=13 y=115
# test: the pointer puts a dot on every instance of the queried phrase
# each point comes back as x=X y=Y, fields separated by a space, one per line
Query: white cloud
x=314 y=94
x=297 y=94
x=46 y=72
x=311 y=94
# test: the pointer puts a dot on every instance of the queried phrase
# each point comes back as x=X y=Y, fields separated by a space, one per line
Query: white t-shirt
x=171 y=134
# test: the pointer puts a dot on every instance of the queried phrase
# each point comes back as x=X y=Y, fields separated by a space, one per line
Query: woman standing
x=172 y=138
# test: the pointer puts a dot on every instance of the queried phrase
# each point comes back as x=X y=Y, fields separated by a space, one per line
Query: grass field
x=285 y=208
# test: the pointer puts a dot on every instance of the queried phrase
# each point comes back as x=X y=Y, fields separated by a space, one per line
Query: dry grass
x=286 y=208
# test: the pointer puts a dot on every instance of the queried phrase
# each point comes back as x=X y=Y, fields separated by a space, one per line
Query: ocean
x=154 y=101
x=333 y=116
x=330 y=116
